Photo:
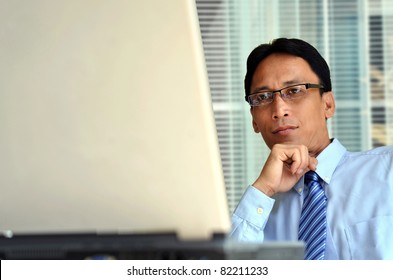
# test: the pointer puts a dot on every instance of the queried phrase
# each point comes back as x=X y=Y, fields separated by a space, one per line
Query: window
x=355 y=38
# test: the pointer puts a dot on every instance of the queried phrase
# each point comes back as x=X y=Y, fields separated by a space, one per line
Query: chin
x=286 y=140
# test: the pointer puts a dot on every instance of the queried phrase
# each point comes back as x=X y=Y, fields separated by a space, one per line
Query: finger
x=313 y=162
x=297 y=161
x=303 y=160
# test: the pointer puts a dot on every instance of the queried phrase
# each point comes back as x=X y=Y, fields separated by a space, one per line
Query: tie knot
x=311 y=176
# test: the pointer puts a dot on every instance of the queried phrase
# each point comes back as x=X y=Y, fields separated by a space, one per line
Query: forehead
x=280 y=70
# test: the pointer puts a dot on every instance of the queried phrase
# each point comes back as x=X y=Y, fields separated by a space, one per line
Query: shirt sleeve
x=250 y=216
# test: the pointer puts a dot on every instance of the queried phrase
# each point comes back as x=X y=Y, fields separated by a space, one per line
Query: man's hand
x=284 y=167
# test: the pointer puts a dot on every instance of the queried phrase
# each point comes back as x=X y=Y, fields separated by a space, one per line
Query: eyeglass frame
x=307 y=85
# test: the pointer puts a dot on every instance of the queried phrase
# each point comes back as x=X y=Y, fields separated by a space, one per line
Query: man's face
x=300 y=121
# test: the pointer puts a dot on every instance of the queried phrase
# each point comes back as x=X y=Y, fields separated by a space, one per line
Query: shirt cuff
x=254 y=207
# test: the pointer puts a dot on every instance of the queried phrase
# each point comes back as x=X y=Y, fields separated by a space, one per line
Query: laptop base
x=140 y=247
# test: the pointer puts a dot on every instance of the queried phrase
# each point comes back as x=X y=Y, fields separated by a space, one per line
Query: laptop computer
x=108 y=137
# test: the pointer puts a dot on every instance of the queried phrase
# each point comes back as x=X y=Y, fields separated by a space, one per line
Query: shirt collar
x=328 y=160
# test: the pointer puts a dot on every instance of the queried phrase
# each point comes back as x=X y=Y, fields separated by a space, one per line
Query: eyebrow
x=285 y=84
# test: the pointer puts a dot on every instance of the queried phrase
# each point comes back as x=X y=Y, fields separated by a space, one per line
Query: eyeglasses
x=262 y=98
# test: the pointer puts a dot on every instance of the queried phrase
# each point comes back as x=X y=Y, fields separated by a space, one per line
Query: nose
x=279 y=107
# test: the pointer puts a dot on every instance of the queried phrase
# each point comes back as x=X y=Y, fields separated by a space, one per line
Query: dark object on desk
x=140 y=247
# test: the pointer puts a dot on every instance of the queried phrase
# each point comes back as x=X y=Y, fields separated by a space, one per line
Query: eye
x=260 y=98
x=294 y=90
x=263 y=96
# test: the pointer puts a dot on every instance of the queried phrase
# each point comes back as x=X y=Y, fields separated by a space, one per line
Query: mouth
x=284 y=130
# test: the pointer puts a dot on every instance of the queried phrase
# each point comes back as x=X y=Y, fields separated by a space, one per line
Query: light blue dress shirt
x=359 y=189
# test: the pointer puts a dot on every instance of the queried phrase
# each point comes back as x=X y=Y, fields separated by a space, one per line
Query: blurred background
x=354 y=36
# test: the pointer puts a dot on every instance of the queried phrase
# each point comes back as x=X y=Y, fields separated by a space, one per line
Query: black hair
x=295 y=47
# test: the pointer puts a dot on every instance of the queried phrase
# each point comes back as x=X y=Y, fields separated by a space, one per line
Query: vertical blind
x=354 y=36
x=219 y=21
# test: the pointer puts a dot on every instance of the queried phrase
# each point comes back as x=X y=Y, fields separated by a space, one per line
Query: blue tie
x=312 y=226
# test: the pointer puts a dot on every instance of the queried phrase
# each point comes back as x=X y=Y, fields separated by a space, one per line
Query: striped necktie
x=312 y=226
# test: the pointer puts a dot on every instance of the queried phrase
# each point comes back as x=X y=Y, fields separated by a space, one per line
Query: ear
x=329 y=104
x=254 y=124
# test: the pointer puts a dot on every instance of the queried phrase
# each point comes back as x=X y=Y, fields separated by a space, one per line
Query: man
x=350 y=194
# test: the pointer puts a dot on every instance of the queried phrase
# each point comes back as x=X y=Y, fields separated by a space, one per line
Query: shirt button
x=259 y=210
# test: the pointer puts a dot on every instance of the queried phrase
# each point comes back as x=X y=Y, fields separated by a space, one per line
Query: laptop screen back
x=106 y=121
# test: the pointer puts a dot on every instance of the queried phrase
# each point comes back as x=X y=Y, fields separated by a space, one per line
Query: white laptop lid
x=106 y=121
